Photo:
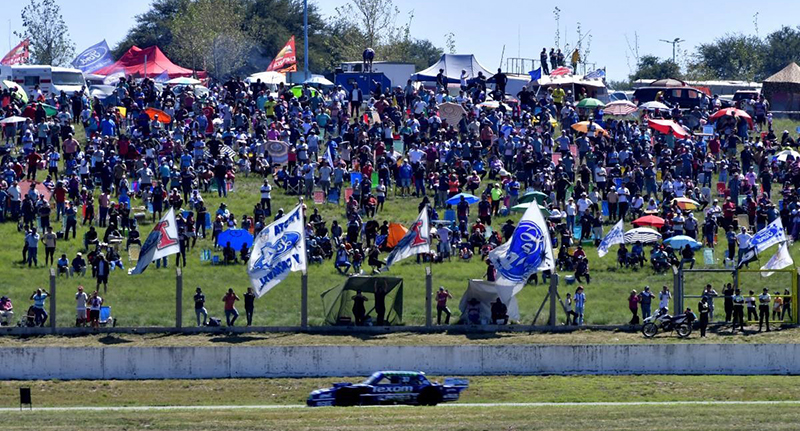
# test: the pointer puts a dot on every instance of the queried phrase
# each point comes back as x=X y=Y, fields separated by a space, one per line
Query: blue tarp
x=236 y=237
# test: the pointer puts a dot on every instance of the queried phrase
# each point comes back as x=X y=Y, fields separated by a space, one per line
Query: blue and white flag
x=614 y=236
x=279 y=249
x=535 y=74
x=597 y=74
x=162 y=241
x=329 y=156
x=772 y=234
x=780 y=260
x=94 y=58
x=416 y=240
x=528 y=251
x=164 y=77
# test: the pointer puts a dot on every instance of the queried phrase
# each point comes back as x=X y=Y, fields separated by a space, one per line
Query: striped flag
x=561 y=71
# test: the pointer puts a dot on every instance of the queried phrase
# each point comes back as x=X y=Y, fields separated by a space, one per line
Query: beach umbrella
x=163 y=117
x=732 y=112
x=318 y=80
x=668 y=127
x=654 y=105
x=19 y=90
x=590 y=103
x=686 y=204
x=236 y=237
x=13 y=120
x=650 y=220
x=183 y=80
x=645 y=235
x=471 y=199
x=784 y=155
x=583 y=127
x=620 y=108
x=451 y=112
x=680 y=241
x=535 y=195
x=49 y=110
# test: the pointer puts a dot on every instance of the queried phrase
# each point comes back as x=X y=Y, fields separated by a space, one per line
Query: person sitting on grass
x=342 y=260
x=6 y=311
x=78 y=265
x=499 y=313
x=229 y=254
x=63 y=265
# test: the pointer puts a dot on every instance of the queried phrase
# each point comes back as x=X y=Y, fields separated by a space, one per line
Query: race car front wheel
x=429 y=397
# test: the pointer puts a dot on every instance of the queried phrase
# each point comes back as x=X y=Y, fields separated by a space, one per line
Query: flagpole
x=303 y=279
x=429 y=280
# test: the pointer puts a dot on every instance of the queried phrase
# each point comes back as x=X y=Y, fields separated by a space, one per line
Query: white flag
x=162 y=241
x=416 y=240
x=772 y=234
x=279 y=249
x=781 y=259
x=614 y=236
x=529 y=250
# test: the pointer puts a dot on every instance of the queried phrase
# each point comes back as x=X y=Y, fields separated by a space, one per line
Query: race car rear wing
x=456 y=382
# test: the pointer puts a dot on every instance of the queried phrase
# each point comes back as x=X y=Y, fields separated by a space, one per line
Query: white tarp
x=453 y=64
x=487 y=292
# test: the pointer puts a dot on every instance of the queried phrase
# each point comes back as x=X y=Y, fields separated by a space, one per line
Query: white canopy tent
x=267 y=78
x=487 y=292
x=453 y=64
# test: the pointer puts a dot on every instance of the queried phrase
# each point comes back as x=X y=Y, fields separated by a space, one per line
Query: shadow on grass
x=112 y=340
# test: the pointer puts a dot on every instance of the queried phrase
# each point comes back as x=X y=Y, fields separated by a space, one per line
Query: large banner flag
x=529 y=250
x=162 y=241
x=772 y=234
x=780 y=260
x=279 y=249
x=93 y=58
x=416 y=240
x=286 y=60
x=614 y=236
x=18 y=54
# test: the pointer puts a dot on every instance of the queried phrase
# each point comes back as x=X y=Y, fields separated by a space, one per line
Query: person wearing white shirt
x=743 y=241
x=571 y=210
x=680 y=188
x=663 y=299
x=415 y=155
x=622 y=201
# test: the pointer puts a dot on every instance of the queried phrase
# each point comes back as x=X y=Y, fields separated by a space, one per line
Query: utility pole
x=674 y=43
x=305 y=39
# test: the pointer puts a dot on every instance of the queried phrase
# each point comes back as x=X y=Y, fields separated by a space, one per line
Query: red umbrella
x=163 y=117
x=668 y=127
x=649 y=220
x=732 y=112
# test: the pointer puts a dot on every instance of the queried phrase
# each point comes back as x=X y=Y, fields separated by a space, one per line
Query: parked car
x=684 y=97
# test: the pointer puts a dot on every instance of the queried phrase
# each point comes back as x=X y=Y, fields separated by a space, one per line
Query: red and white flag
x=561 y=71
x=162 y=241
x=18 y=55
x=286 y=60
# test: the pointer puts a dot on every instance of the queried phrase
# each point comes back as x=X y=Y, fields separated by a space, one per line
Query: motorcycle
x=661 y=320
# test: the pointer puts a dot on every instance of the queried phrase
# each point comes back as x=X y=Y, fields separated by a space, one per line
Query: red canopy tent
x=133 y=64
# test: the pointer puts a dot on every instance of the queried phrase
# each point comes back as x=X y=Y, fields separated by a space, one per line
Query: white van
x=50 y=79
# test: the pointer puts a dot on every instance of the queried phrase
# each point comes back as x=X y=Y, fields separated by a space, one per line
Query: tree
x=376 y=16
x=49 y=37
x=652 y=67
x=733 y=56
x=209 y=34
x=153 y=27
x=782 y=48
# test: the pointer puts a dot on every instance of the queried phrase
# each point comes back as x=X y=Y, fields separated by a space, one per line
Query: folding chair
x=450 y=215
x=721 y=189
x=133 y=253
x=333 y=196
x=105 y=317
x=215 y=260
x=293 y=186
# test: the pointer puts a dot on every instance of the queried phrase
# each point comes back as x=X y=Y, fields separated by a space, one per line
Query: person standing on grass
x=709 y=294
x=580 y=303
x=763 y=309
x=646 y=300
x=32 y=243
x=231 y=313
x=81 y=298
x=704 y=309
x=38 y=298
x=200 y=306
x=738 y=310
x=441 y=306
x=95 y=303
x=103 y=268
x=663 y=299
x=633 y=305
x=249 y=300
x=728 y=292
x=49 y=240
x=359 y=308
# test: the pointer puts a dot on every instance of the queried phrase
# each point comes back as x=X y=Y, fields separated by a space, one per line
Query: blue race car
x=389 y=387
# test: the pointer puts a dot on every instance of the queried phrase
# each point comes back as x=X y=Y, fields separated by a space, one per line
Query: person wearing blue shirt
x=580 y=302
x=39 y=297
x=108 y=127
x=512 y=189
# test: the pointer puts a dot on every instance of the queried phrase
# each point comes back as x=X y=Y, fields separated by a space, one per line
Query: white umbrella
x=654 y=105
x=183 y=81
x=783 y=155
x=645 y=235
x=267 y=78
x=13 y=120
x=318 y=80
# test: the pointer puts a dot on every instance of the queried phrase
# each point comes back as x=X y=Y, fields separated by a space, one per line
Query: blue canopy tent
x=453 y=64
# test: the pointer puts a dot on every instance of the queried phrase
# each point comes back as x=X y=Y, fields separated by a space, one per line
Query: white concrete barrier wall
x=129 y=363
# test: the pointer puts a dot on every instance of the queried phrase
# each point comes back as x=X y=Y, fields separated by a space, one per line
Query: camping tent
x=453 y=64
x=487 y=292
x=396 y=233
x=338 y=301
x=782 y=89
x=138 y=60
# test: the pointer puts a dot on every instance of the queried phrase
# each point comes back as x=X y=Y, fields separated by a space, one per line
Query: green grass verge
x=148 y=299
x=496 y=389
